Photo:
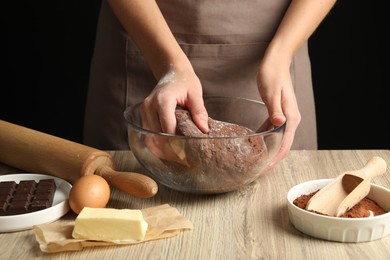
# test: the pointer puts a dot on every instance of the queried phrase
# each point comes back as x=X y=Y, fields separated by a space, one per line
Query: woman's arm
x=274 y=79
x=145 y=24
x=178 y=84
x=298 y=24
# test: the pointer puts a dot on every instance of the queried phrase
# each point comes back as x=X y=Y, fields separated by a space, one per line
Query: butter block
x=107 y=224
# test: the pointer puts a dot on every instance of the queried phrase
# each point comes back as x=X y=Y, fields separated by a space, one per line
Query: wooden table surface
x=251 y=223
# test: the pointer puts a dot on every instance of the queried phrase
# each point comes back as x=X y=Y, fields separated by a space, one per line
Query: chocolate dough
x=220 y=163
x=187 y=127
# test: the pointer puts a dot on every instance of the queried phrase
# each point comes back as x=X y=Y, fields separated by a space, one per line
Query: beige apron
x=224 y=40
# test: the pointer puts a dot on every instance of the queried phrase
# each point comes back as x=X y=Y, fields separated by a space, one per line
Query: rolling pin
x=37 y=152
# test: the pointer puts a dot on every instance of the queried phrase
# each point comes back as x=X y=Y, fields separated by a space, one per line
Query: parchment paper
x=163 y=221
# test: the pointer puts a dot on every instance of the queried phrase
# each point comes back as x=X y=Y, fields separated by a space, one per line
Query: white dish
x=339 y=229
x=58 y=209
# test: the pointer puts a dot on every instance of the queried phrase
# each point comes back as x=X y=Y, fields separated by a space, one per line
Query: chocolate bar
x=26 y=196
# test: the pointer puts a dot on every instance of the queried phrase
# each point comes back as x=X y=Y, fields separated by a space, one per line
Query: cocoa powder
x=360 y=210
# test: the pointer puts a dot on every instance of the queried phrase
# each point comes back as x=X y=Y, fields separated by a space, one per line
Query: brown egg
x=89 y=191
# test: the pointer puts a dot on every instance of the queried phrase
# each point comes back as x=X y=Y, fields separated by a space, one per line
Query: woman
x=173 y=52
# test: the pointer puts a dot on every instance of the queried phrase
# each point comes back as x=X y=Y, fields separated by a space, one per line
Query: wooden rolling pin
x=37 y=152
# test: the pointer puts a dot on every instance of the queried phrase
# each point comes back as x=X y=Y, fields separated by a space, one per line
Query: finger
x=199 y=114
x=292 y=121
x=150 y=119
x=272 y=101
x=293 y=118
x=275 y=111
x=167 y=118
x=284 y=148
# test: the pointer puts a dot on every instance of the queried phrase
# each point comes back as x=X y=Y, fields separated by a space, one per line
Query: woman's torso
x=224 y=40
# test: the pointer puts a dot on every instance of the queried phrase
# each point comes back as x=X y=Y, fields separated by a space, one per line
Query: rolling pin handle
x=135 y=184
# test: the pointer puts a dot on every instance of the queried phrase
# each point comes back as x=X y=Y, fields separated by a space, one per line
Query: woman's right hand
x=175 y=88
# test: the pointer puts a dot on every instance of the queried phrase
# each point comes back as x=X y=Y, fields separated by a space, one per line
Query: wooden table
x=251 y=223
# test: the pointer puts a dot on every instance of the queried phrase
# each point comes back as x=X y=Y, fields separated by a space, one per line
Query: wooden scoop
x=347 y=189
x=37 y=152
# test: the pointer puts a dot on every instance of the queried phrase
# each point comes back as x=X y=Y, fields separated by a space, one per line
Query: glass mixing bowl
x=208 y=165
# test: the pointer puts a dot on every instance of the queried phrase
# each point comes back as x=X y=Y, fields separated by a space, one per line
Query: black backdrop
x=47 y=47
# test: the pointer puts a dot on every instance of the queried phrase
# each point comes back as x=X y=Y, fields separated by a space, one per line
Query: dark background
x=47 y=47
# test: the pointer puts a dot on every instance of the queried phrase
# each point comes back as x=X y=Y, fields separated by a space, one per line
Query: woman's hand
x=274 y=79
x=277 y=92
x=175 y=88
x=178 y=84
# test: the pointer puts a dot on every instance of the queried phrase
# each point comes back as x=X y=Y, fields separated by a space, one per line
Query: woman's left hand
x=277 y=92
